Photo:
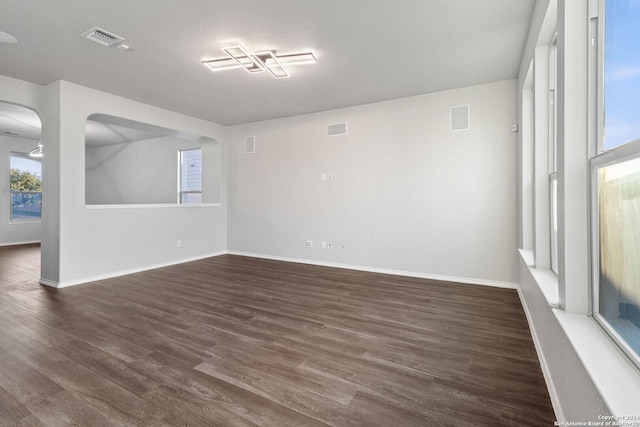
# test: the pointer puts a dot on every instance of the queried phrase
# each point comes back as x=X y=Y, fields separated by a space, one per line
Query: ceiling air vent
x=103 y=37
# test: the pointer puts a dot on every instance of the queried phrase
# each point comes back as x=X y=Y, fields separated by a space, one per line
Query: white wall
x=12 y=233
x=131 y=173
x=96 y=243
x=407 y=194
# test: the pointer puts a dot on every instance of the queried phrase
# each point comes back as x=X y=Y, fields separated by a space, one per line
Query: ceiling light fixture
x=254 y=62
x=36 y=152
x=7 y=38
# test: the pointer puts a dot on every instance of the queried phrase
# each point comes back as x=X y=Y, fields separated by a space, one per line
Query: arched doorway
x=20 y=192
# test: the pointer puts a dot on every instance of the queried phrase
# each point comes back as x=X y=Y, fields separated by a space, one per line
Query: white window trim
x=553 y=177
x=153 y=206
x=615 y=378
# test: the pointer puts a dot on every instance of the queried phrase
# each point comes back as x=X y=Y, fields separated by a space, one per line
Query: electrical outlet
x=329 y=176
x=310 y=243
x=329 y=245
x=178 y=243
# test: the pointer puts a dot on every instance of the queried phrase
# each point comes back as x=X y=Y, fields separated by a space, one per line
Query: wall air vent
x=250 y=144
x=460 y=118
x=103 y=37
x=339 y=129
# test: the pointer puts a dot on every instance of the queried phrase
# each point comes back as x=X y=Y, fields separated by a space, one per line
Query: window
x=553 y=101
x=553 y=152
x=615 y=182
x=26 y=188
x=190 y=176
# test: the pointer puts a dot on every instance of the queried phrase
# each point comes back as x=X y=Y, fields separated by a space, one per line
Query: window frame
x=553 y=104
x=599 y=157
x=553 y=222
x=553 y=153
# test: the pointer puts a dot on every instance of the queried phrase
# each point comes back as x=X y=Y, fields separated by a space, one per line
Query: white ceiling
x=367 y=50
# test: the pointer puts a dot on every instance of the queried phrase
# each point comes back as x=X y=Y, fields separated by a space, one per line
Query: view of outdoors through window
x=618 y=181
x=619 y=293
x=622 y=72
x=26 y=188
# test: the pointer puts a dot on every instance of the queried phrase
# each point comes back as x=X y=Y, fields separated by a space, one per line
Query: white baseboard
x=419 y=275
x=546 y=372
x=49 y=283
x=119 y=273
x=28 y=242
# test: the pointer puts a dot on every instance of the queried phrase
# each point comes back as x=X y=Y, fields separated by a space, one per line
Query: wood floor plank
x=238 y=341
x=24 y=383
x=105 y=396
x=64 y=409
x=402 y=389
x=11 y=410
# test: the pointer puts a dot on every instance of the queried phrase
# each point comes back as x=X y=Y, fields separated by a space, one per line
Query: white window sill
x=159 y=205
x=548 y=283
x=527 y=257
x=23 y=222
x=546 y=279
x=615 y=377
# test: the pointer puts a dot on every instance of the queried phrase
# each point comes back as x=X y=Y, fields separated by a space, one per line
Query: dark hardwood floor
x=239 y=341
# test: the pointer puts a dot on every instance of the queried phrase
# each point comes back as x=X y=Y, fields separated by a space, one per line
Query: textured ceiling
x=367 y=50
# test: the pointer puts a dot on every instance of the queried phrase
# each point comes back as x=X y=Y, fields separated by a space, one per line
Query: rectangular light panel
x=272 y=64
x=222 y=64
x=242 y=57
x=297 y=59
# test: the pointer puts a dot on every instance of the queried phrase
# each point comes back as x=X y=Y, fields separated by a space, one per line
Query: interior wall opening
x=133 y=163
x=20 y=192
